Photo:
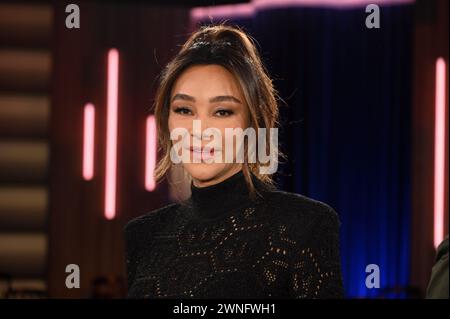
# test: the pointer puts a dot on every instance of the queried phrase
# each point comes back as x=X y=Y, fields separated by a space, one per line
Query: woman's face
x=209 y=93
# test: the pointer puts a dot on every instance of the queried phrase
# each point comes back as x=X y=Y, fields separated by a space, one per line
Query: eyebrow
x=220 y=98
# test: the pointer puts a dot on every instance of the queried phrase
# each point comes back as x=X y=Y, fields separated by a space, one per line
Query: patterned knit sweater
x=220 y=243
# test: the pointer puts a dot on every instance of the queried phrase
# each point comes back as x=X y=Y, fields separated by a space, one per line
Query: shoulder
x=150 y=220
x=292 y=205
x=301 y=214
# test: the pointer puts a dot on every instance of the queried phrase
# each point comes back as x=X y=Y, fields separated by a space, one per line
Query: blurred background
x=364 y=126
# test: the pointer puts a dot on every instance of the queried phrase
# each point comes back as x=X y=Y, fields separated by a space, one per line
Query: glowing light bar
x=111 y=133
x=150 y=153
x=439 y=152
x=248 y=9
x=88 y=141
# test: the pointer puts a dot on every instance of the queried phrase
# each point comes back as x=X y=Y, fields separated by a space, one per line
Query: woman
x=236 y=236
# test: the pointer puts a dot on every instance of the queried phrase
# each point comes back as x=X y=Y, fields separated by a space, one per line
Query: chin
x=204 y=172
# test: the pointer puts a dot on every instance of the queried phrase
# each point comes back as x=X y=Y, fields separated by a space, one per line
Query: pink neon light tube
x=150 y=153
x=249 y=8
x=111 y=134
x=88 y=141
x=439 y=152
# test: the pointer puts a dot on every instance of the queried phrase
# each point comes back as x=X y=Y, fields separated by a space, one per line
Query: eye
x=182 y=110
x=224 y=113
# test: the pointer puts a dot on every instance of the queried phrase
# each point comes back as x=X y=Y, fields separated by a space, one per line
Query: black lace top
x=221 y=244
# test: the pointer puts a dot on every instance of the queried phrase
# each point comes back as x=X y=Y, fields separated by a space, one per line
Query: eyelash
x=228 y=112
x=183 y=110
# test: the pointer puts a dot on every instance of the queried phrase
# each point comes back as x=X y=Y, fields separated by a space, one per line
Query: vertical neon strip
x=111 y=134
x=150 y=153
x=88 y=141
x=439 y=152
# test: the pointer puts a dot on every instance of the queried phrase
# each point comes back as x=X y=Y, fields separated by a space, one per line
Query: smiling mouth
x=203 y=153
x=202 y=150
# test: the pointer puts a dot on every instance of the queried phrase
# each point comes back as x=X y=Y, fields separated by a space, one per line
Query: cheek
x=239 y=121
x=171 y=122
x=243 y=119
x=236 y=122
x=178 y=122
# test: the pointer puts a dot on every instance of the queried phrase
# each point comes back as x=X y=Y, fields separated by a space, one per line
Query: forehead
x=206 y=80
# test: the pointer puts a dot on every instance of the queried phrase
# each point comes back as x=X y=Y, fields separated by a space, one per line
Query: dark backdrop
x=346 y=126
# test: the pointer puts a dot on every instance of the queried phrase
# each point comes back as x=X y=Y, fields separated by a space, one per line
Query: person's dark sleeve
x=438 y=285
x=315 y=266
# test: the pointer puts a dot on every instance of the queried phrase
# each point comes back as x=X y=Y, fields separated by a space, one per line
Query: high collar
x=213 y=201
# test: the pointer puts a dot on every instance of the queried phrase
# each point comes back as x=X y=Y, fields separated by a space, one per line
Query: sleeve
x=315 y=266
x=438 y=285
x=138 y=235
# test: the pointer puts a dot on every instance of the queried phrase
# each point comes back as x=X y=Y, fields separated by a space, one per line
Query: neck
x=213 y=201
x=205 y=183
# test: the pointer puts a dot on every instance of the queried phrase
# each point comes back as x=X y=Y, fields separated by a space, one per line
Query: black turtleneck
x=214 y=201
x=223 y=243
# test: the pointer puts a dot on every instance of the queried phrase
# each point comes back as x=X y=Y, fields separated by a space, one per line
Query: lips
x=203 y=153
x=203 y=150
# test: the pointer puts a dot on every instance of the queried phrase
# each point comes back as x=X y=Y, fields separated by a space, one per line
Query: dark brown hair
x=233 y=49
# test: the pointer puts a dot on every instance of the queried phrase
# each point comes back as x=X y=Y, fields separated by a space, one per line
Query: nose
x=199 y=125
